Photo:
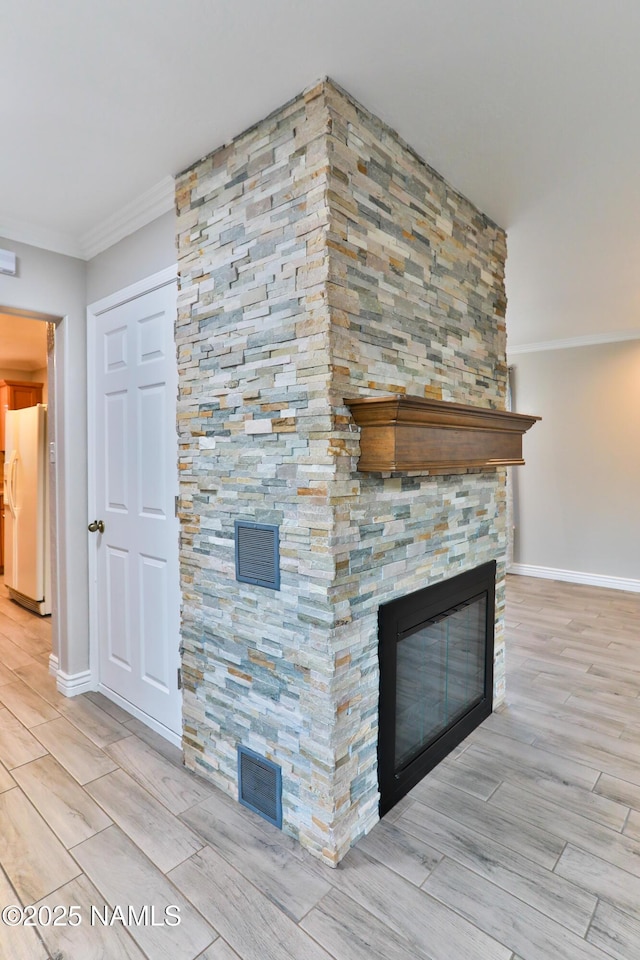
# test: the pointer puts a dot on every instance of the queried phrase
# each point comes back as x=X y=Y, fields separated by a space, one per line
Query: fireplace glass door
x=436 y=675
x=439 y=675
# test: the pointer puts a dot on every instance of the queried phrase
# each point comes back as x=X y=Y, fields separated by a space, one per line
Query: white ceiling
x=529 y=107
x=23 y=343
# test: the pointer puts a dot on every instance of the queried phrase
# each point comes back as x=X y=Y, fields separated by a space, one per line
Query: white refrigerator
x=27 y=571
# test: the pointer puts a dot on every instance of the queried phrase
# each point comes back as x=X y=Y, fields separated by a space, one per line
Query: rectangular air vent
x=260 y=785
x=257 y=554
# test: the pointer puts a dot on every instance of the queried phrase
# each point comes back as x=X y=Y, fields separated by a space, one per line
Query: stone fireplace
x=322 y=260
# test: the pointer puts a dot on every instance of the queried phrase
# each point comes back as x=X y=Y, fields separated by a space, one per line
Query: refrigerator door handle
x=11 y=482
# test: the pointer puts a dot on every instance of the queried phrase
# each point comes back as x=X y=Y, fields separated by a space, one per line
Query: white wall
x=577 y=500
x=52 y=284
x=42 y=376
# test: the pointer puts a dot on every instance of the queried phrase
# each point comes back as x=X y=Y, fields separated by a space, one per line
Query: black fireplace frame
x=398 y=618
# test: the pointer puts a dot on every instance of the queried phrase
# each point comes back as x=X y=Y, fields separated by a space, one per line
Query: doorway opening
x=28 y=539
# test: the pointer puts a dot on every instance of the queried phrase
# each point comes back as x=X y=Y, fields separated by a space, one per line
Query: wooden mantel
x=411 y=433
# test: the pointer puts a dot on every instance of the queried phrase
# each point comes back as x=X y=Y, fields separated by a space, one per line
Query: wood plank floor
x=524 y=844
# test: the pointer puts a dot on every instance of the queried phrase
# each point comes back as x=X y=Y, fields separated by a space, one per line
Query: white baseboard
x=53 y=665
x=71 y=684
x=170 y=735
x=575 y=576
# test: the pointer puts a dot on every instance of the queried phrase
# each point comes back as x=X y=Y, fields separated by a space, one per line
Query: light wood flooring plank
x=108 y=706
x=176 y=788
x=508 y=723
x=543 y=716
x=538 y=887
x=427 y=924
x=26 y=705
x=261 y=852
x=160 y=835
x=569 y=826
x=17 y=943
x=94 y=723
x=6 y=675
x=17 y=745
x=532 y=760
x=6 y=780
x=167 y=750
x=615 y=932
x=30 y=637
x=73 y=750
x=616 y=759
x=501 y=826
x=562 y=821
x=578 y=800
x=32 y=856
x=11 y=655
x=397 y=811
x=245 y=917
x=556 y=666
x=620 y=791
x=599 y=654
x=123 y=875
x=219 y=951
x=526 y=931
x=409 y=856
x=87 y=940
x=619 y=676
x=599 y=688
x=602 y=878
x=36 y=676
x=349 y=932
x=66 y=807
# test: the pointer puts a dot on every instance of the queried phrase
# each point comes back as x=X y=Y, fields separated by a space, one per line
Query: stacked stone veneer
x=320 y=258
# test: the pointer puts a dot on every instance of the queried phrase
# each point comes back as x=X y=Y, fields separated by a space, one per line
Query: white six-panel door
x=133 y=440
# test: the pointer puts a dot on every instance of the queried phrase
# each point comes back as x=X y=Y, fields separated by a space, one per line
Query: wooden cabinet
x=14 y=395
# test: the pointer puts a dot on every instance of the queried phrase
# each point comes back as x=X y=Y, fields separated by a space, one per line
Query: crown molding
x=589 y=340
x=21 y=231
x=148 y=206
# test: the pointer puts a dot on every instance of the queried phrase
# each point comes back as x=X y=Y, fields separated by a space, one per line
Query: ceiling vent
x=260 y=785
x=257 y=554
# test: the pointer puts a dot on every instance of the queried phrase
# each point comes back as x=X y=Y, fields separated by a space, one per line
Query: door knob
x=96 y=525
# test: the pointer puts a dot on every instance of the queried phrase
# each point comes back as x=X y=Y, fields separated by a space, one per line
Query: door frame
x=55 y=467
x=157 y=280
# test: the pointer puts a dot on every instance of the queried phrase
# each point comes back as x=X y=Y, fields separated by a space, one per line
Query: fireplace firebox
x=436 y=675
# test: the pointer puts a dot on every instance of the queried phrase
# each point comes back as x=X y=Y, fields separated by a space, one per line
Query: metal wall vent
x=260 y=785
x=257 y=554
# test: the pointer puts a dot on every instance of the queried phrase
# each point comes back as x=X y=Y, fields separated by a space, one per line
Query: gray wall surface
x=143 y=253
x=577 y=500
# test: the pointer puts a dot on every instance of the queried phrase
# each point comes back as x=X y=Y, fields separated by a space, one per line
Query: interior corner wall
x=143 y=253
x=577 y=507
x=53 y=284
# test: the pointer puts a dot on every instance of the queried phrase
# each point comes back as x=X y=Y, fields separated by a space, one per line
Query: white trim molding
x=170 y=735
x=137 y=213
x=21 y=231
x=589 y=340
x=575 y=576
x=53 y=665
x=138 y=289
x=71 y=684
x=153 y=203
